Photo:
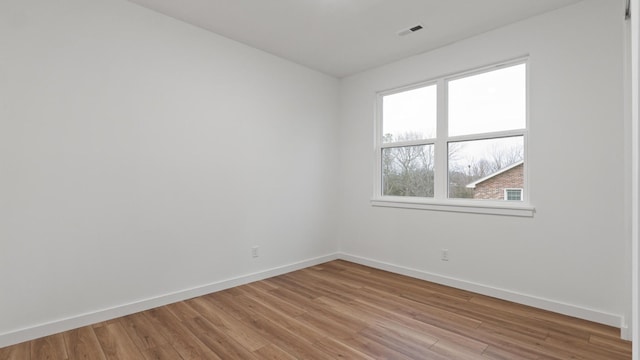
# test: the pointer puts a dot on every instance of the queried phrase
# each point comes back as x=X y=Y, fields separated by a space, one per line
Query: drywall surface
x=572 y=252
x=140 y=156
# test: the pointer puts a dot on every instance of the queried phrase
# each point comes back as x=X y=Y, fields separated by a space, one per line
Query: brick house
x=504 y=184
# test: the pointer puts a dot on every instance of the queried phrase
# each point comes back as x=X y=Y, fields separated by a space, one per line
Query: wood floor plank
x=287 y=333
x=227 y=303
x=83 y=344
x=20 y=351
x=142 y=332
x=332 y=324
x=241 y=332
x=103 y=323
x=497 y=353
x=50 y=347
x=217 y=340
x=450 y=350
x=335 y=310
x=319 y=273
x=578 y=347
x=290 y=342
x=488 y=316
x=300 y=288
x=273 y=317
x=164 y=352
x=610 y=343
x=508 y=341
x=182 y=340
x=551 y=320
x=411 y=346
x=402 y=311
x=263 y=285
x=267 y=298
x=257 y=310
x=183 y=311
x=338 y=350
x=374 y=349
x=328 y=287
x=116 y=344
x=423 y=312
x=273 y=352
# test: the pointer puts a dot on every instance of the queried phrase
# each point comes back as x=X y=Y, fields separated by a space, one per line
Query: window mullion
x=407 y=143
x=440 y=176
x=486 y=136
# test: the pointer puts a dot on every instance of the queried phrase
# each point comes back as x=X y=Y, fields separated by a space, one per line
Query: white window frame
x=440 y=200
x=511 y=189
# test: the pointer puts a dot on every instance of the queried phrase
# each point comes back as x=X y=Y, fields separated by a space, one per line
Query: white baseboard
x=54 y=327
x=625 y=333
x=37 y=331
x=525 y=299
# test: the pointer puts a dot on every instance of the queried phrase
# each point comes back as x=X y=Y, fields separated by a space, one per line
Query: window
x=407 y=157
x=513 y=194
x=456 y=141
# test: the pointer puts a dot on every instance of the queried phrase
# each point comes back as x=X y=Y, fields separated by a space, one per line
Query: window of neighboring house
x=434 y=139
x=513 y=194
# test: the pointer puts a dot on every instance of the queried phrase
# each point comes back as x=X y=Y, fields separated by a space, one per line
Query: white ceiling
x=343 y=37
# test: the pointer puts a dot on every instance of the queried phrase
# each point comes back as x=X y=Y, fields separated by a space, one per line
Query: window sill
x=462 y=206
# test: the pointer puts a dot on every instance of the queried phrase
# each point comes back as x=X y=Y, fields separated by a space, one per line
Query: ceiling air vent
x=410 y=30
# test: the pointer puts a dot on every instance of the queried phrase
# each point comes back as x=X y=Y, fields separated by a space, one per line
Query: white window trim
x=440 y=201
x=511 y=208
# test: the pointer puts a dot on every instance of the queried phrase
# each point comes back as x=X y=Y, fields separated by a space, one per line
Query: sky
x=486 y=102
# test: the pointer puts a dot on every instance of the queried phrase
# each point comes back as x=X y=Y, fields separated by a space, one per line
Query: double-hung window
x=456 y=143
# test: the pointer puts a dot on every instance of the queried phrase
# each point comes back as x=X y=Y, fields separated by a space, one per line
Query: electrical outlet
x=444 y=255
x=254 y=252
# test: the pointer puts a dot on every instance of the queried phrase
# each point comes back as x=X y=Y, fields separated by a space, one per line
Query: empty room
x=319 y=179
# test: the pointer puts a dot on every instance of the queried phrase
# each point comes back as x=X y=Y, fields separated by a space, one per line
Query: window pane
x=408 y=171
x=488 y=102
x=410 y=115
x=483 y=169
x=513 y=194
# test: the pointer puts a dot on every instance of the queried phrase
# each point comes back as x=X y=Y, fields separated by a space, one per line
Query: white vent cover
x=410 y=30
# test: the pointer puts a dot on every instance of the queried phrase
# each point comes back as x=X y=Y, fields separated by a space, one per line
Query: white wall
x=140 y=156
x=571 y=255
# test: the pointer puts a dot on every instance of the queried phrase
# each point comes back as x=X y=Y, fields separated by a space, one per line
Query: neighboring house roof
x=473 y=184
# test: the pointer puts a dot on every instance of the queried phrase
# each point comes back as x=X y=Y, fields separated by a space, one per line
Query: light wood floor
x=335 y=310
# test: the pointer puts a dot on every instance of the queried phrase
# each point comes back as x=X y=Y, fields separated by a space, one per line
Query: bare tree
x=473 y=169
x=407 y=170
x=503 y=157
